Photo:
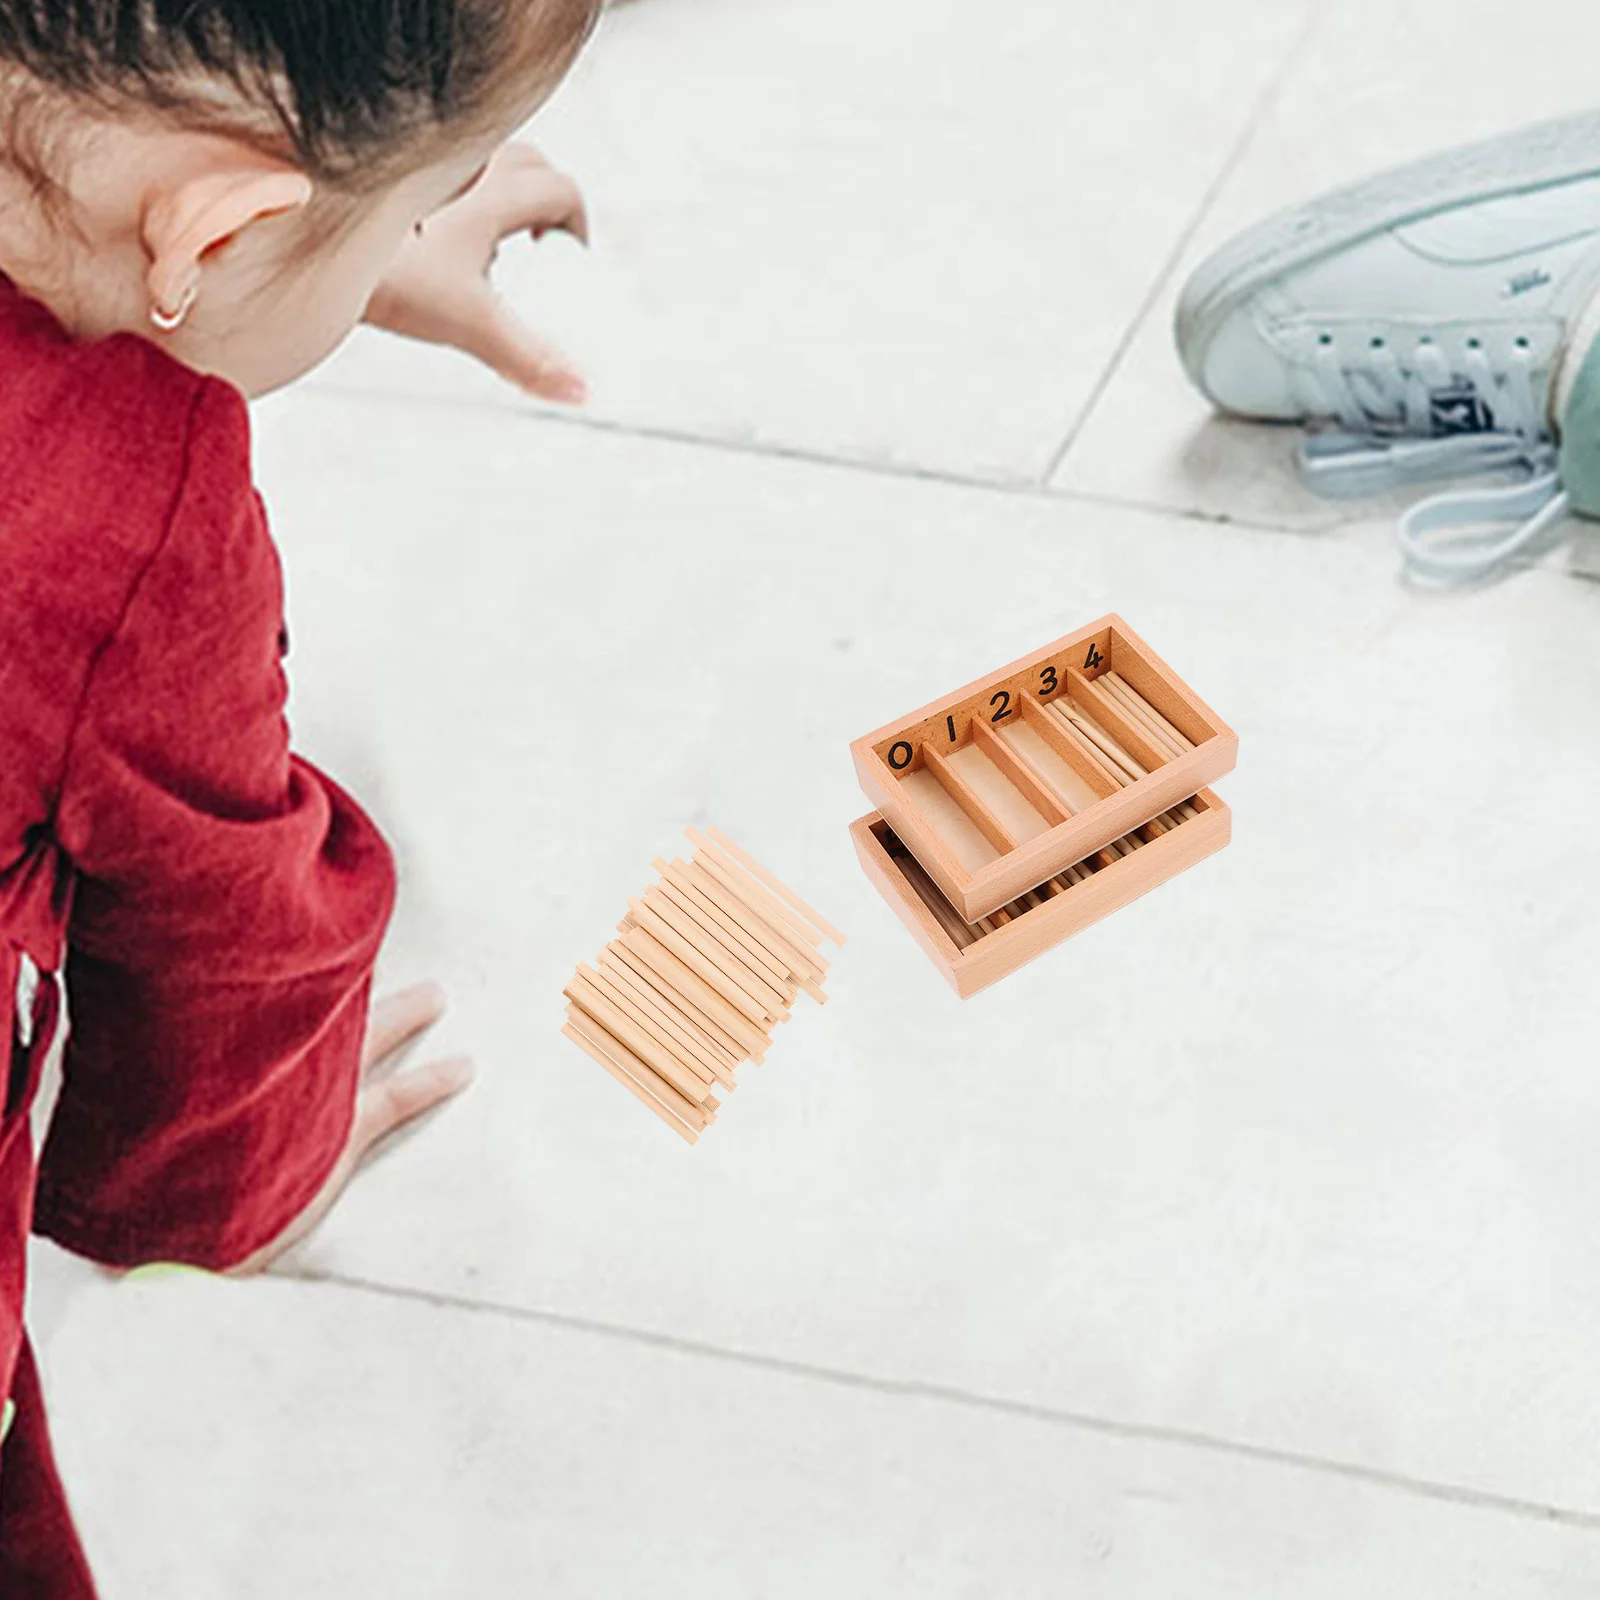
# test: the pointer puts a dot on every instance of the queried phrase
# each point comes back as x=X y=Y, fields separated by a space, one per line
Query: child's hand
x=385 y=1104
x=439 y=289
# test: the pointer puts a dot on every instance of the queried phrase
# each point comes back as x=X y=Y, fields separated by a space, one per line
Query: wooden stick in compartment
x=964 y=934
x=710 y=960
x=1069 y=746
x=1136 y=703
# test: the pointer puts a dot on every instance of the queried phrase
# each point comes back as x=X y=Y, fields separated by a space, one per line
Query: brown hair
x=345 y=88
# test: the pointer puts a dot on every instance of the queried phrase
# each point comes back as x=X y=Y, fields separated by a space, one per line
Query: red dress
x=212 y=902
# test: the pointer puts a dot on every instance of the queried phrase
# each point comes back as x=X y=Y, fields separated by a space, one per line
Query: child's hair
x=339 y=86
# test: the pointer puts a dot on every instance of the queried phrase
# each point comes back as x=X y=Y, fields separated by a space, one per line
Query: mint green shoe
x=1428 y=324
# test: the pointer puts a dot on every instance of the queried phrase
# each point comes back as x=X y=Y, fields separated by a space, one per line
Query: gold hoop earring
x=171 y=321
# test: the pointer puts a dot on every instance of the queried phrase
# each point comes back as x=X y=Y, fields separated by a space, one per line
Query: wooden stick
x=1138 y=712
x=783 y=988
x=642 y=941
x=805 y=962
x=793 y=927
x=1087 y=726
x=718 y=1040
x=697 y=937
x=1183 y=739
x=945 y=914
x=654 y=923
x=676 y=873
x=625 y=1001
x=752 y=865
x=641 y=1095
x=785 y=944
x=737 y=1049
x=697 y=1116
x=583 y=994
x=1111 y=772
x=675 y=1023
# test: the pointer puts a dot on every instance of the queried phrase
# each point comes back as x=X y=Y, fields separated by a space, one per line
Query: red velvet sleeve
x=229 y=906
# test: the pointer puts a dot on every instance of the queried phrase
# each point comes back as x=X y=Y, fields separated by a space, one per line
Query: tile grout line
x=916 y=1389
x=1041 y=492
x=1259 y=113
x=894 y=471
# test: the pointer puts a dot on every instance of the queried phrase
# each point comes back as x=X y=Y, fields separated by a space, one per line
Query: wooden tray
x=1111 y=884
x=997 y=787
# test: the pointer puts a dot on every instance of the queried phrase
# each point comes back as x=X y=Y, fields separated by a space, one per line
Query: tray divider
x=1033 y=785
x=1131 y=735
x=1054 y=732
x=965 y=796
x=1171 y=699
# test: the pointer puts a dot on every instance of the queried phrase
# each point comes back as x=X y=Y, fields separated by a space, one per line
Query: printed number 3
x=1050 y=683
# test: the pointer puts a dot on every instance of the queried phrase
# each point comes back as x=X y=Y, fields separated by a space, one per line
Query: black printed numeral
x=900 y=754
x=1049 y=683
x=950 y=723
x=1093 y=659
x=1002 y=700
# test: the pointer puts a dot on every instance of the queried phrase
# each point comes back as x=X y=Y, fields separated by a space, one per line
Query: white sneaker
x=1425 y=317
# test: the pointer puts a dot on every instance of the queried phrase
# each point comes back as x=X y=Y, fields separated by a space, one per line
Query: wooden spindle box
x=1000 y=787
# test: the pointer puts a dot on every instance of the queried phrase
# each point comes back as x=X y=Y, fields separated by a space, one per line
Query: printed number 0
x=897 y=760
x=1003 y=700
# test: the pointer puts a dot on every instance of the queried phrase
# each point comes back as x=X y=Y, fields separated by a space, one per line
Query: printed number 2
x=1003 y=701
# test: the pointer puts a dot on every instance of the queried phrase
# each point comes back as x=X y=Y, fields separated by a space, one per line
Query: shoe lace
x=1384 y=415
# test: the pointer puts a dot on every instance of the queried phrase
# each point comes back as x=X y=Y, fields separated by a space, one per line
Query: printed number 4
x=1093 y=659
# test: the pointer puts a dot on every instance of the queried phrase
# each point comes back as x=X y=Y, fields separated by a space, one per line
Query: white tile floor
x=1241 y=1248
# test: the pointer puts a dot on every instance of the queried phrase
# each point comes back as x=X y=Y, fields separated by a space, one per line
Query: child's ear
x=191 y=214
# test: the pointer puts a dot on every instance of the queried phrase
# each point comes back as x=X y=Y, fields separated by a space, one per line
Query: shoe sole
x=1537 y=157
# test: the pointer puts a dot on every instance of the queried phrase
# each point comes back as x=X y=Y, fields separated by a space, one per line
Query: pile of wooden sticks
x=710 y=959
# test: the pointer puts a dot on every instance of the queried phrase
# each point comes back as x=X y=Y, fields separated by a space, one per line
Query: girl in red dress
x=198 y=200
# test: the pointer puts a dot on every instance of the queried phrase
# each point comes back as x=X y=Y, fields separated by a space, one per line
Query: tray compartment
x=974 y=955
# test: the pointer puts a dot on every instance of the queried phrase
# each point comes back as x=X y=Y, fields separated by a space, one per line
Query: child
x=198 y=198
